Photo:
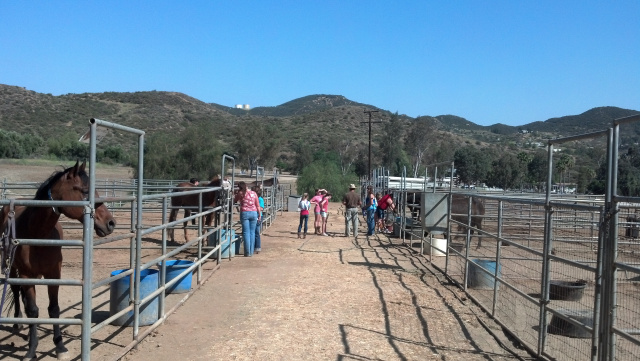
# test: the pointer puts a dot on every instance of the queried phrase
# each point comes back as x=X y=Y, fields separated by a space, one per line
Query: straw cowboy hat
x=352 y=186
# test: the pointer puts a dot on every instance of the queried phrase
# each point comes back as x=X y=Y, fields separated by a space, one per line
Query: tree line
x=416 y=145
x=339 y=160
x=66 y=147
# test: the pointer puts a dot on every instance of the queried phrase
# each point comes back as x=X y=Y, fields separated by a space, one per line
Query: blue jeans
x=371 y=225
x=304 y=219
x=249 y=221
x=258 y=227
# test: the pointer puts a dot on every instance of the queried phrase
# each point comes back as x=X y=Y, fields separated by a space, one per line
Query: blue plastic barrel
x=480 y=279
x=174 y=268
x=222 y=234
x=119 y=298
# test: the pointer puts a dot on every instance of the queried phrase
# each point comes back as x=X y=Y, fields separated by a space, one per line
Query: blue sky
x=510 y=62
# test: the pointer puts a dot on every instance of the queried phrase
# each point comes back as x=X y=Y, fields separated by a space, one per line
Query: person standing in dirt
x=379 y=213
x=324 y=211
x=352 y=202
x=249 y=216
x=371 y=205
x=258 y=245
x=304 y=206
x=385 y=203
x=317 y=223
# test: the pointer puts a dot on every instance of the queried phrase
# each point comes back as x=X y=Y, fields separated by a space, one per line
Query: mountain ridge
x=27 y=111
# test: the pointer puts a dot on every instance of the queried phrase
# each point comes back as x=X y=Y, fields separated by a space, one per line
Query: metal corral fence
x=561 y=273
x=141 y=208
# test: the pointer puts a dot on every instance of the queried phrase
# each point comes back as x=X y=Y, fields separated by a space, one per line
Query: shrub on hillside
x=14 y=145
x=324 y=174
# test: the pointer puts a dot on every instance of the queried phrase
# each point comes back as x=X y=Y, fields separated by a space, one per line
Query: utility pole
x=370 y=112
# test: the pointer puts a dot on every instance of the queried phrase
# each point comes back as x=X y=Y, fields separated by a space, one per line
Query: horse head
x=72 y=184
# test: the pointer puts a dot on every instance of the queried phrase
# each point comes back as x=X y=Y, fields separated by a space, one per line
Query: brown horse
x=459 y=210
x=30 y=261
x=209 y=199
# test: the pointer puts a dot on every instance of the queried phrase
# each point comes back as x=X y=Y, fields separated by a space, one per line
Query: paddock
x=559 y=272
x=534 y=242
x=140 y=243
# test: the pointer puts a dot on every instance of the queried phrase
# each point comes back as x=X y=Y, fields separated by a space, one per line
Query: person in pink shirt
x=324 y=211
x=317 y=223
x=249 y=216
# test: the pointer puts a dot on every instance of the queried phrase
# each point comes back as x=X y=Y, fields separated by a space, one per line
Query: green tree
x=113 y=154
x=507 y=172
x=392 y=154
x=193 y=154
x=347 y=150
x=303 y=156
x=419 y=140
x=562 y=165
x=472 y=165
x=67 y=147
x=537 y=169
x=256 y=143
x=585 y=176
x=324 y=174
x=629 y=172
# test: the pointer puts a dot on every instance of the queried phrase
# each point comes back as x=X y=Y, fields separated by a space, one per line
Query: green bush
x=16 y=146
x=67 y=147
x=113 y=154
x=324 y=174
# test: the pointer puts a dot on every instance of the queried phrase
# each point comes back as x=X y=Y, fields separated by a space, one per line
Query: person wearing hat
x=316 y=200
x=194 y=181
x=352 y=202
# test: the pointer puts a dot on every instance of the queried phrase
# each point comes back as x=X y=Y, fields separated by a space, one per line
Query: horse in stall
x=264 y=183
x=30 y=261
x=459 y=210
x=209 y=199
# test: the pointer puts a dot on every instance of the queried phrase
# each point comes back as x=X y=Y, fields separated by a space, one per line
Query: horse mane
x=216 y=182
x=43 y=191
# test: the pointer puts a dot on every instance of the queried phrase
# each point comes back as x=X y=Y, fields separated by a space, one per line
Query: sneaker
x=324 y=234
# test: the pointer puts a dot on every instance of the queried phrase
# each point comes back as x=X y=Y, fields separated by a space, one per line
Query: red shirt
x=382 y=204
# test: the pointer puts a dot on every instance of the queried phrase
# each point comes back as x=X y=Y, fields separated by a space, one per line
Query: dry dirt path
x=327 y=298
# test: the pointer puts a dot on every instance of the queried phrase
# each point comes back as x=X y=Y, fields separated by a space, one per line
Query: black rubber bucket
x=559 y=326
x=566 y=290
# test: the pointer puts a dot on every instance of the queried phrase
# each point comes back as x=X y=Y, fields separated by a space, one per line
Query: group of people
x=373 y=209
x=320 y=210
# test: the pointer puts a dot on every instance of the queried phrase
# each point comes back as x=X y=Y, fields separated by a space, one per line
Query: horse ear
x=83 y=165
x=73 y=171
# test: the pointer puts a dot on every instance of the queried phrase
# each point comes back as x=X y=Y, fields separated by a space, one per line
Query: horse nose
x=111 y=225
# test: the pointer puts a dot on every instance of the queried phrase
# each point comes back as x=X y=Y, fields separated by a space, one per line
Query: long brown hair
x=242 y=190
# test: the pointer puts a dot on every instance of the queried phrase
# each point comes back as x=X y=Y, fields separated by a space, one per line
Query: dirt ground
x=323 y=298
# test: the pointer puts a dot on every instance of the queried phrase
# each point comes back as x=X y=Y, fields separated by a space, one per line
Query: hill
x=314 y=121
